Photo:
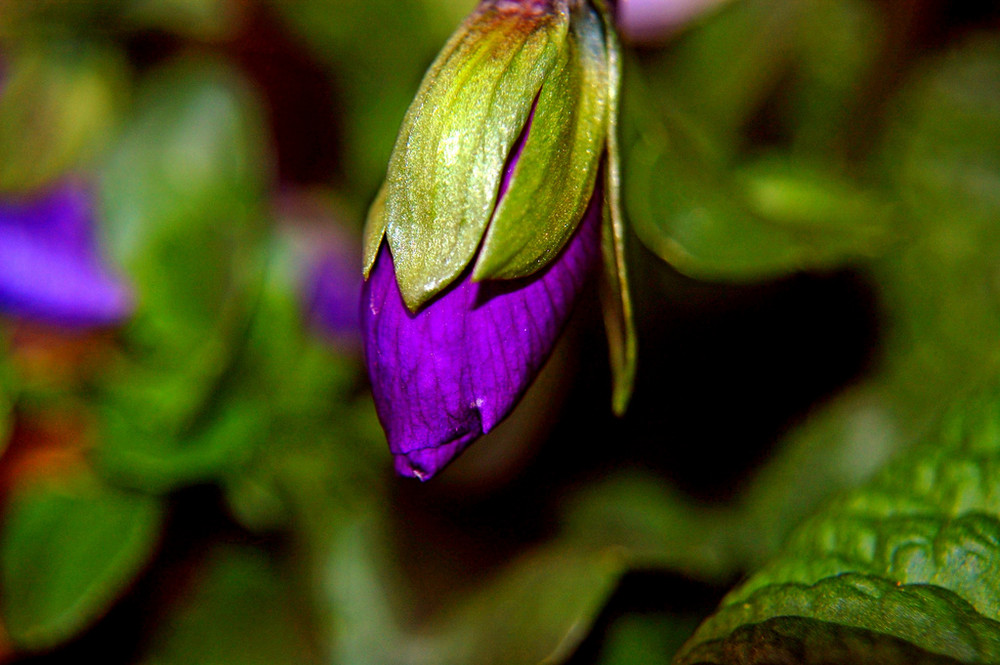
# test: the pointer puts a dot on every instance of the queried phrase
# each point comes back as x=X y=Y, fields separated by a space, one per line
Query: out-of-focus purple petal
x=654 y=20
x=328 y=263
x=450 y=373
x=50 y=267
x=332 y=295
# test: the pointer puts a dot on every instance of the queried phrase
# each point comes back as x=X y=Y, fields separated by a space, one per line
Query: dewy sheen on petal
x=451 y=372
x=50 y=267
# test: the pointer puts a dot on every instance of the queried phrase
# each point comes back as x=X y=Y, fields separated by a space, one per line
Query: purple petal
x=450 y=373
x=50 y=269
x=333 y=287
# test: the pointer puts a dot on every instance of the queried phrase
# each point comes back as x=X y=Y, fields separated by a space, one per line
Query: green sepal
x=446 y=168
x=374 y=230
x=555 y=174
x=616 y=302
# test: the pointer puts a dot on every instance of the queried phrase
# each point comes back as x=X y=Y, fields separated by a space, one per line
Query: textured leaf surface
x=913 y=555
x=69 y=547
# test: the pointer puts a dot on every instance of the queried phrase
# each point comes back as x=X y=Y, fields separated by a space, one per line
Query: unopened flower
x=50 y=265
x=500 y=197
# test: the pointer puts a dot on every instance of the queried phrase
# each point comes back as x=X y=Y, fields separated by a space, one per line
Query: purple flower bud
x=492 y=215
x=50 y=267
x=451 y=372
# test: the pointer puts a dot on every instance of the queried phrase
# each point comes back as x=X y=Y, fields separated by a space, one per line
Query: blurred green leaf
x=654 y=526
x=649 y=639
x=775 y=216
x=237 y=610
x=149 y=459
x=722 y=70
x=906 y=564
x=69 y=546
x=197 y=19
x=838 y=44
x=943 y=155
x=59 y=101
x=28 y=20
x=537 y=610
x=183 y=196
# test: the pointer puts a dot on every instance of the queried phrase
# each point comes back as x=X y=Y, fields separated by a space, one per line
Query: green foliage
x=537 y=611
x=238 y=610
x=770 y=138
x=910 y=555
x=70 y=546
x=60 y=103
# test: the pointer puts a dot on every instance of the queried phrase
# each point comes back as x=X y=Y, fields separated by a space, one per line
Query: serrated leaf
x=69 y=546
x=912 y=556
x=447 y=166
x=556 y=171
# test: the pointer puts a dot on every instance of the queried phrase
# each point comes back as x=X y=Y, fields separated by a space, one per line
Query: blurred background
x=192 y=471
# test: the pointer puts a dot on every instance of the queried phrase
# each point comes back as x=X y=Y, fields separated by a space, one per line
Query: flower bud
x=494 y=211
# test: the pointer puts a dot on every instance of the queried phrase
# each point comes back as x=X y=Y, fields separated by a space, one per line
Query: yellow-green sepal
x=374 y=230
x=555 y=174
x=616 y=300
x=448 y=162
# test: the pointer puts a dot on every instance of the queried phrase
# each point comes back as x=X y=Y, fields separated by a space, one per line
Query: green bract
x=538 y=66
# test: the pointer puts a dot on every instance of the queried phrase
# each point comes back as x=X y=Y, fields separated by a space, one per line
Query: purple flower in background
x=327 y=258
x=451 y=372
x=653 y=20
x=50 y=266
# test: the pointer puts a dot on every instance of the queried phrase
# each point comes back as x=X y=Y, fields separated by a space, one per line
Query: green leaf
x=654 y=527
x=648 y=639
x=446 y=169
x=912 y=557
x=838 y=43
x=198 y=19
x=58 y=104
x=157 y=460
x=943 y=155
x=553 y=181
x=238 y=610
x=25 y=21
x=69 y=546
x=537 y=610
x=773 y=217
x=183 y=202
